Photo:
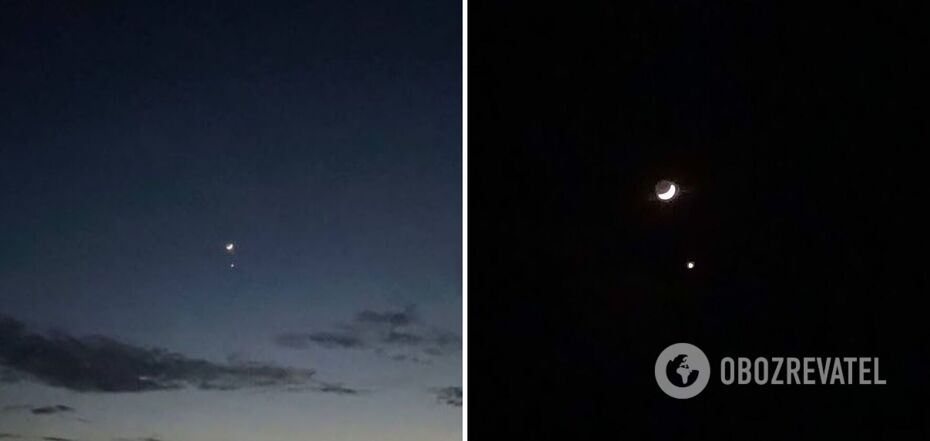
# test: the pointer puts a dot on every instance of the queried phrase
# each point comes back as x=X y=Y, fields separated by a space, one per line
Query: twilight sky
x=322 y=138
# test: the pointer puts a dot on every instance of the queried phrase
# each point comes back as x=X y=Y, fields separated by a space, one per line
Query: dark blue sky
x=323 y=138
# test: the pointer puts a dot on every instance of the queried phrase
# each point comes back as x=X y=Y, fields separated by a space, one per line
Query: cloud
x=101 y=364
x=397 y=318
x=338 y=389
x=402 y=338
x=446 y=339
x=328 y=388
x=332 y=339
x=400 y=356
x=395 y=335
x=57 y=438
x=49 y=410
x=4 y=435
x=42 y=410
x=451 y=395
x=142 y=438
x=293 y=340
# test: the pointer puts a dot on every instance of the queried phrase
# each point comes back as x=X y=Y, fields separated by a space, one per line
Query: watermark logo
x=682 y=370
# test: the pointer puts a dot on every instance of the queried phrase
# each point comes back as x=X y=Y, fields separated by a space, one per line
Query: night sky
x=323 y=139
x=798 y=132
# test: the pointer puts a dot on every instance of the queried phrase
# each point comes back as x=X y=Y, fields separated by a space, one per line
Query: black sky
x=792 y=129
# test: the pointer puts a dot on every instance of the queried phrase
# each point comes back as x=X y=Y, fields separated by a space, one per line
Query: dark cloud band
x=100 y=364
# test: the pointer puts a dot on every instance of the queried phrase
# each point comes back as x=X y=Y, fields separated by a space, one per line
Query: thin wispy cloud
x=396 y=335
x=50 y=410
x=402 y=338
x=37 y=410
x=294 y=340
x=395 y=318
x=329 y=388
x=412 y=358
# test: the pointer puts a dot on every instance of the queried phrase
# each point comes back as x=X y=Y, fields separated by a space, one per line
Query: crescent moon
x=670 y=193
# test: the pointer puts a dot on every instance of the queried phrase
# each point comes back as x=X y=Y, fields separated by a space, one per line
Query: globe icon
x=679 y=372
x=682 y=370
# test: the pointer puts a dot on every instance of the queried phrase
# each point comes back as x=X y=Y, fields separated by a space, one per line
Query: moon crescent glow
x=670 y=193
